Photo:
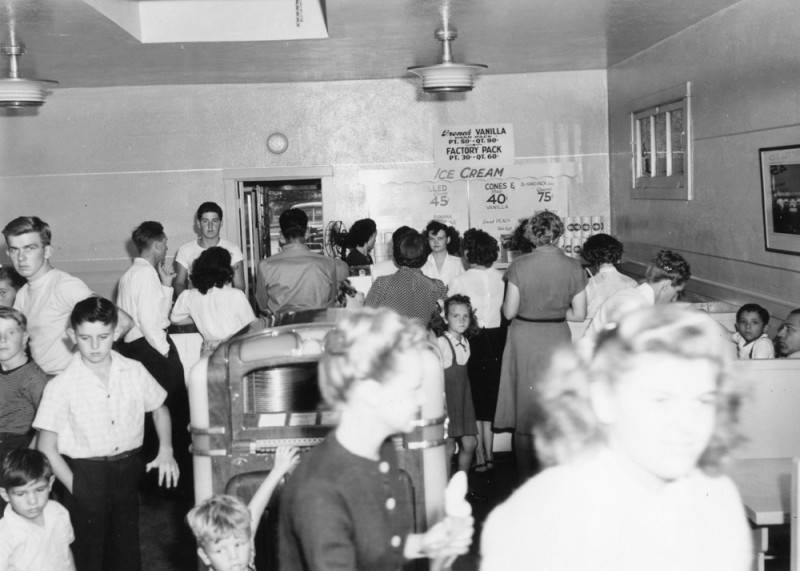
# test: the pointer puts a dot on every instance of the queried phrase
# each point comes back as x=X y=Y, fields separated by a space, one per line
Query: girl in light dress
x=217 y=308
x=453 y=344
x=637 y=421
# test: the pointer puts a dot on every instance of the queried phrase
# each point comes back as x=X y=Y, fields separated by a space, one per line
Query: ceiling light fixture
x=447 y=77
x=16 y=91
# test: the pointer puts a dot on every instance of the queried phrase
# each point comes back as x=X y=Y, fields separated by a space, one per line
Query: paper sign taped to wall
x=497 y=204
x=411 y=197
x=474 y=145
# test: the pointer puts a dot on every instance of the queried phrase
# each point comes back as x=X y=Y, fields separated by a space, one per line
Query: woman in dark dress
x=361 y=239
x=544 y=289
x=347 y=506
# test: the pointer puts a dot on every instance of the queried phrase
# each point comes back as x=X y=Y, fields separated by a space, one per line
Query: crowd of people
x=78 y=373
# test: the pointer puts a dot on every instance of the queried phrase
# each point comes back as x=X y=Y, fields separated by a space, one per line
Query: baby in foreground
x=638 y=420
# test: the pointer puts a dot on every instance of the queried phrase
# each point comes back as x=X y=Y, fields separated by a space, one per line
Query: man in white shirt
x=209 y=223
x=49 y=296
x=665 y=278
x=787 y=340
x=145 y=292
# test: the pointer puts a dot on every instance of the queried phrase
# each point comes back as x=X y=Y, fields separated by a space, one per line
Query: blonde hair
x=568 y=423
x=366 y=344
x=219 y=517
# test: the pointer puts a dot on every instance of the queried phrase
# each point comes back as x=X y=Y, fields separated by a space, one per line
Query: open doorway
x=261 y=203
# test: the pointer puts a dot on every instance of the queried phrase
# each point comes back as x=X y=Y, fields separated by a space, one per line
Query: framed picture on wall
x=780 y=195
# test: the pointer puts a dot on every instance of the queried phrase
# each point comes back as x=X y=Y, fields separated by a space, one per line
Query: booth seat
x=770 y=411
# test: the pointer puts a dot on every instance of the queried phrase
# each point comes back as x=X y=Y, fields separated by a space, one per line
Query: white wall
x=96 y=162
x=744 y=66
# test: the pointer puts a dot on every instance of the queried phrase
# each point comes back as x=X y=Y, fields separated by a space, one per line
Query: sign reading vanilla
x=474 y=147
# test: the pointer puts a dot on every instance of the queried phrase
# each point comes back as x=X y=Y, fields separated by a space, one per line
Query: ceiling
x=69 y=41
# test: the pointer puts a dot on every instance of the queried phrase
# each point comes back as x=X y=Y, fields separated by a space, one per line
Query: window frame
x=669 y=186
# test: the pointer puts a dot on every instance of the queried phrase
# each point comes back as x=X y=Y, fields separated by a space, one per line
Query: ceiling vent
x=448 y=76
x=16 y=91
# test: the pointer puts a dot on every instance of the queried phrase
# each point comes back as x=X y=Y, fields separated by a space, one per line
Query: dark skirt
x=484 y=370
x=526 y=358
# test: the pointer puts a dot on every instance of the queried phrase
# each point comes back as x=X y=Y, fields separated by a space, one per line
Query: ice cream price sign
x=411 y=197
x=474 y=145
x=497 y=204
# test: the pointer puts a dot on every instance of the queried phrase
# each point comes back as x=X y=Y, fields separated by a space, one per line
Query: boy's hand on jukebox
x=286 y=458
x=168 y=472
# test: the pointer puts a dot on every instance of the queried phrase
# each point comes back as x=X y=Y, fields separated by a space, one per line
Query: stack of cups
x=577 y=229
x=598 y=225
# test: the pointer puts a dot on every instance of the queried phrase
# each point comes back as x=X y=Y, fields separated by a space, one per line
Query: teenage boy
x=21 y=383
x=35 y=532
x=208 y=222
x=91 y=426
x=49 y=296
x=145 y=293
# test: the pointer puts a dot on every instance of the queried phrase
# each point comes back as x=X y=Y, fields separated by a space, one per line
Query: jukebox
x=259 y=390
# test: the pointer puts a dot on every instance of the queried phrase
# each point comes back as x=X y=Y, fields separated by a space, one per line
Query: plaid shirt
x=92 y=419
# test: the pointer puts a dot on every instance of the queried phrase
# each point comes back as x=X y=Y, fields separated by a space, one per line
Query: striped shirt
x=20 y=393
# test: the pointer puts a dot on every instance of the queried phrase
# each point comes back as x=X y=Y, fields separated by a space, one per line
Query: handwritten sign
x=411 y=197
x=497 y=204
x=474 y=146
x=494 y=203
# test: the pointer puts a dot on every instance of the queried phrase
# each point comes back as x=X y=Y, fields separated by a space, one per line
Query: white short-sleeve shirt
x=485 y=289
x=218 y=314
x=47 y=303
x=452 y=267
x=92 y=419
x=190 y=251
x=26 y=546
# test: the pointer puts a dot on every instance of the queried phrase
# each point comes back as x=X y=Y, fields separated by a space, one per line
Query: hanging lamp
x=448 y=76
x=16 y=91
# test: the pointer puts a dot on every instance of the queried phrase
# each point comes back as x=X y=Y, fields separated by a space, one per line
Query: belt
x=186 y=328
x=113 y=457
x=552 y=320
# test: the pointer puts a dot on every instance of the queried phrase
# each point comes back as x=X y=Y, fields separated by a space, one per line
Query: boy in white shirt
x=752 y=322
x=91 y=428
x=35 y=532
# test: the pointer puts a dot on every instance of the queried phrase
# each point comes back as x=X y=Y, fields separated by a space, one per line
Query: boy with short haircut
x=208 y=222
x=35 y=532
x=752 y=341
x=91 y=427
x=224 y=527
x=21 y=383
x=49 y=295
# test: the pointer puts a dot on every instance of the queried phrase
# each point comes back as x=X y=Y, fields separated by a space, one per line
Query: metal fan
x=335 y=239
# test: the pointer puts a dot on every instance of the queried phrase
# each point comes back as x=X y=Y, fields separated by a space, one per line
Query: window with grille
x=661 y=144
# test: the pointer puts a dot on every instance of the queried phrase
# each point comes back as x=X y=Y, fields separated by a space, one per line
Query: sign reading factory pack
x=468 y=150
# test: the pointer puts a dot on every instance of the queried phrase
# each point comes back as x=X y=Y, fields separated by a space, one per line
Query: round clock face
x=277 y=143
